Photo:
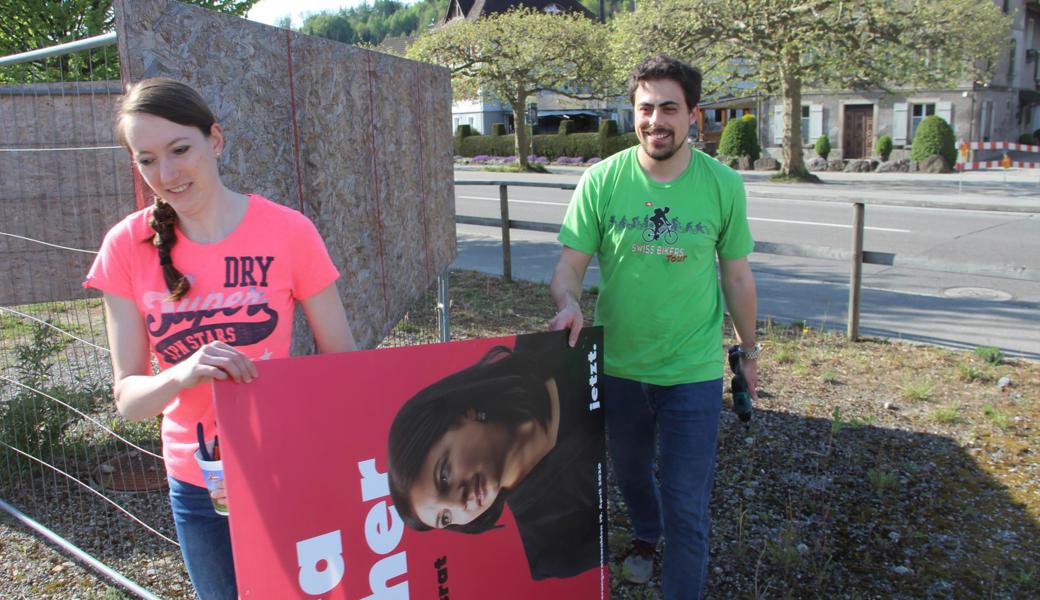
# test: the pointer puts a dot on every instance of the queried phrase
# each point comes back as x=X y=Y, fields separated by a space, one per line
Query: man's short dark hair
x=660 y=67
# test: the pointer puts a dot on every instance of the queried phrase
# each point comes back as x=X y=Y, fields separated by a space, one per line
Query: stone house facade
x=1001 y=110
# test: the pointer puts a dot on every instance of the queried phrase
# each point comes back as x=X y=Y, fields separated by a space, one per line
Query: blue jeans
x=205 y=541
x=684 y=421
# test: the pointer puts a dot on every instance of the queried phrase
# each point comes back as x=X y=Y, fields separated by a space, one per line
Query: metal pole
x=112 y=575
x=443 y=307
x=856 y=274
x=507 y=256
x=105 y=39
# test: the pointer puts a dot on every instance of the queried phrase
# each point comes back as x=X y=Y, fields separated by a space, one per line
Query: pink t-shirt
x=243 y=289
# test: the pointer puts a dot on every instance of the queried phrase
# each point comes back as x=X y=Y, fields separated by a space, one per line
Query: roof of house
x=397 y=44
x=472 y=9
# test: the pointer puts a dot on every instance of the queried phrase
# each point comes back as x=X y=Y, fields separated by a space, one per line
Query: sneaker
x=639 y=562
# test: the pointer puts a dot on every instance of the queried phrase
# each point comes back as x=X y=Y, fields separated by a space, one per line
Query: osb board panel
x=64 y=186
x=337 y=132
x=42 y=275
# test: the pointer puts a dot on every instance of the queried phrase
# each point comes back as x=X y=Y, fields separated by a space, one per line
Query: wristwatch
x=750 y=354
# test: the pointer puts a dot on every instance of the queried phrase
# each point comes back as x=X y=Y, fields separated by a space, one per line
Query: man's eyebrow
x=665 y=103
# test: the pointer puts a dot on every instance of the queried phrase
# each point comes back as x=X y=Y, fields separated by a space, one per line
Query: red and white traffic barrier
x=1005 y=163
x=996 y=164
x=1002 y=146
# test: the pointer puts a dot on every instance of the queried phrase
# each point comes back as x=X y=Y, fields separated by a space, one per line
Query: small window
x=917 y=114
x=805 y=122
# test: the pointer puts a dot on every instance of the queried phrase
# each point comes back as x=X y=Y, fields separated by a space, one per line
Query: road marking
x=511 y=200
x=542 y=203
x=827 y=224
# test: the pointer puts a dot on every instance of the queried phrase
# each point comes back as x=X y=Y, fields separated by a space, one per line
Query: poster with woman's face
x=464 y=470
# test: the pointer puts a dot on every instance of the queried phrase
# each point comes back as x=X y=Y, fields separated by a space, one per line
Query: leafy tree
x=783 y=45
x=369 y=24
x=32 y=24
x=516 y=54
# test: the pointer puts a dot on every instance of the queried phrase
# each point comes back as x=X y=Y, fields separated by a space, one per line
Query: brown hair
x=662 y=66
x=180 y=103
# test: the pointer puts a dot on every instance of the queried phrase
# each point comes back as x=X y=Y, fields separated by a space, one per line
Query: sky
x=271 y=11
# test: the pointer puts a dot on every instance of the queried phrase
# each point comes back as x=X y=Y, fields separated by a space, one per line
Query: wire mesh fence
x=67 y=460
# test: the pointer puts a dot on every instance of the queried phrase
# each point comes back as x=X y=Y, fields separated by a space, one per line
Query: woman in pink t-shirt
x=205 y=280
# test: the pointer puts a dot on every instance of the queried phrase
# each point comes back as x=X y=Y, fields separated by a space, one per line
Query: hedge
x=934 y=136
x=552 y=146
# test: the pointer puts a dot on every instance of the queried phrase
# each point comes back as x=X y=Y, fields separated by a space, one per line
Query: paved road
x=948 y=309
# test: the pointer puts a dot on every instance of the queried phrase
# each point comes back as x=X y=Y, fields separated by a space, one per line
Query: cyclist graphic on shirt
x=659 y=220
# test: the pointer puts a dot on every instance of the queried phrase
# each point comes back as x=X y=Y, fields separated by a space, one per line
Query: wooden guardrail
x=856 y=257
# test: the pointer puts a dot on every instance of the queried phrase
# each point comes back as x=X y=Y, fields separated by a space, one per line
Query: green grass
x=971 y=373
x=990 y=354
x=947 y=415
x=998 y=417
x=917 y=390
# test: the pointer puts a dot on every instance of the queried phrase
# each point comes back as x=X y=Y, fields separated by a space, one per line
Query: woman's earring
x=481 y=416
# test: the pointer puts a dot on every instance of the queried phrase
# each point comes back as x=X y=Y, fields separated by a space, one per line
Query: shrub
x=567 y=127
x=823 y=146
x=1027 y=138
x=498 y=129
x=934 y=136
x=754 y=148
x=883 y=147
x=608 y=128
x=740 y=138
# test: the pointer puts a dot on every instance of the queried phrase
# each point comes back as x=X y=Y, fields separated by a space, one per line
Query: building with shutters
x=1001 y=110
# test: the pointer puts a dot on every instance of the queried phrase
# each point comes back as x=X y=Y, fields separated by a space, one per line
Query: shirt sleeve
x=313 y=269
x=110 y=272
x=581 y=225
x=735 y=240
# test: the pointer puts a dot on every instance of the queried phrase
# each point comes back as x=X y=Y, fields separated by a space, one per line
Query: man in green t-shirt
x=661 y=218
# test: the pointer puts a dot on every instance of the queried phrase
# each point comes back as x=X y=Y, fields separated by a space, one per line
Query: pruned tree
x=786 y=45
x=514 y=55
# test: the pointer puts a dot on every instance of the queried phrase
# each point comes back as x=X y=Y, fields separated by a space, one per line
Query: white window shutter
x=815 y=122
x=945 y=111
x=899 y=123
x=778 y=124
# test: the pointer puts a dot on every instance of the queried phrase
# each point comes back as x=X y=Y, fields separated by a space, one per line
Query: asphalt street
x=980 y=219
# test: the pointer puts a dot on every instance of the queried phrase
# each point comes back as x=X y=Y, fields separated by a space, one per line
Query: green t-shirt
x=660 y=302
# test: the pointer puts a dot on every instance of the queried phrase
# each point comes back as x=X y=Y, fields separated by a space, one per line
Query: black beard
x=657 y=153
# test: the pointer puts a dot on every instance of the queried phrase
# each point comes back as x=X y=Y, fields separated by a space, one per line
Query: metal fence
x=70 y=467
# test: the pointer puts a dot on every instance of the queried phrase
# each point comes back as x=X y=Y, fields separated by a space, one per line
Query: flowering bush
x=570 y=160
x=593 y=160
x=480 y=158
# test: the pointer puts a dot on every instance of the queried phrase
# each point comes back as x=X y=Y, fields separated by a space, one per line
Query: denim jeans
x=205 y=541
x=684 y=421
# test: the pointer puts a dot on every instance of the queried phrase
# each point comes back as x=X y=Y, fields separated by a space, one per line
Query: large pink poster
x=464 y=470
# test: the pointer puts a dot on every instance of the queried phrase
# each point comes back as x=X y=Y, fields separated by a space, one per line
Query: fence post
x=443 y=306
x=856 y=270
x=507 y=256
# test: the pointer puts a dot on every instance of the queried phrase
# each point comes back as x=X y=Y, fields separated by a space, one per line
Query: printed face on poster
x=464 y=470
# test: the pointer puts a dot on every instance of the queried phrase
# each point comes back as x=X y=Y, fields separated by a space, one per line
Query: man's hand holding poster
x=465 y=470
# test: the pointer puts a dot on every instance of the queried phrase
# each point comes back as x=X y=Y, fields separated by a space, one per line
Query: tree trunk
x=523 y=144
x=791 y=152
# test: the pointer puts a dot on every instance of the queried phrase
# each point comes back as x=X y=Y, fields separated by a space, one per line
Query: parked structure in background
x=1002 y=109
